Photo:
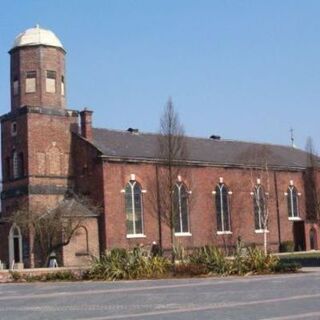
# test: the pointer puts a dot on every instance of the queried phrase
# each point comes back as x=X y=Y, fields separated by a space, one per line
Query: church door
x=299 y=236
x=15 y=245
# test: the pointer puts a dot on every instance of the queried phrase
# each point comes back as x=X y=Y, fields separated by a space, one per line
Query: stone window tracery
x=293 y=202
x=259 y=207
x=222 y=204
x=180 y=209
x=134 y=208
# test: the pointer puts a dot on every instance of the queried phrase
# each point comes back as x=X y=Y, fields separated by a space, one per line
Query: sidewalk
x=310 y=269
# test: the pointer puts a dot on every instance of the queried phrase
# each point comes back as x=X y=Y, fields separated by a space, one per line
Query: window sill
x=138 y=235
x=183 y=234
x=294 y=218
x=261 y=231
x=223 y=232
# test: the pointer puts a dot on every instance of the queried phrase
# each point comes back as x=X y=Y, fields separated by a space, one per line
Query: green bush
x=258 y=262
x=213 y=258
x=120 y=264
x=287 y=246
x=60 y=276
x=50 y=276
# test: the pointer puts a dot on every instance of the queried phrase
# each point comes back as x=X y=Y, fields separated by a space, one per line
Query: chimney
x=86 y=123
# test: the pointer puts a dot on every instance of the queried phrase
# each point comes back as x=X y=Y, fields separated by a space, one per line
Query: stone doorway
x=15 y=246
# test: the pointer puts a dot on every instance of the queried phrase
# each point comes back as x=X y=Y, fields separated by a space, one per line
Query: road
x=276 y=297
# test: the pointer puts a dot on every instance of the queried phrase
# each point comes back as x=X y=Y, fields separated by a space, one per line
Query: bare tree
x=257 y=161
x=311 y=185
x=51 y=228
x=261 y=197
x=172 y=155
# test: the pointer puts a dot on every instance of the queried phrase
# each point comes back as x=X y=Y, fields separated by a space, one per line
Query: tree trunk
x=265 y=241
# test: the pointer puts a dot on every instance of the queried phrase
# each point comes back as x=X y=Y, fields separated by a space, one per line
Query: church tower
x=36 y=134
x=37 y=70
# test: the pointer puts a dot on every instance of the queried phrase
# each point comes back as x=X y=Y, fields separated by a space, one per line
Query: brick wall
x=39 y=59
x=202 y=181
x=83 y=245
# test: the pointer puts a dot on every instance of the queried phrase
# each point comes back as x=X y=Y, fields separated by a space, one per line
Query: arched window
x=222 y=208
x=17 y=164
x=15 y=245
x=133 y=202
x=20 y=165
x=81 y=241
x=259 y=207
x=293 y=208
x=180 y=208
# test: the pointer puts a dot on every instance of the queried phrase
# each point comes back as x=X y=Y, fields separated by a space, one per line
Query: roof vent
x=215 y=137
x=133 y=131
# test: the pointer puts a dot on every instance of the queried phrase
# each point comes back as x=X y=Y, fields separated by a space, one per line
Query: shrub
x=287 y=246
x=119 y=264
x=258 y=262
x=15 y=275
x=211 y=257
x=179 y=252
x=50 y=276
x=190 y=269
x=287 y=267
x=59 y=276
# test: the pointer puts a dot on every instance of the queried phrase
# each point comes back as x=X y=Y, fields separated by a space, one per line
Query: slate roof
x=145 y=146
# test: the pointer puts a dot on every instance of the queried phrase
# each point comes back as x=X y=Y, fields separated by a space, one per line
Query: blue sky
x=245 y=70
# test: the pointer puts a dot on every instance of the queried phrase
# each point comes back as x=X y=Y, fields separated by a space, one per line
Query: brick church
x=48 y=149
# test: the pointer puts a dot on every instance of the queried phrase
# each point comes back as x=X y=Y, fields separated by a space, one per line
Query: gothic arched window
x=293 y=207
x=133 y=203
x=222 y=208
x=259 y=207
x=180 y=208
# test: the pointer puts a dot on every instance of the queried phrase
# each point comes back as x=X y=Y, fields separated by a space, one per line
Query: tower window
x=31 y=81
x=51 y=81
x=14 y=128
x=7 y=172
x=17 y=165
x=15 y=86
x=62 y=86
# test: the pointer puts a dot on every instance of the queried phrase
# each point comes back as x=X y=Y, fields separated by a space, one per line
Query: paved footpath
x=276 y=297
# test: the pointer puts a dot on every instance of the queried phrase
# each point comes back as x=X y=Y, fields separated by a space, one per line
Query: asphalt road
x=279 y=297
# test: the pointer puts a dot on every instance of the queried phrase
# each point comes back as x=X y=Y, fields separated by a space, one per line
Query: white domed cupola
x=37 y=36
x=37 y=67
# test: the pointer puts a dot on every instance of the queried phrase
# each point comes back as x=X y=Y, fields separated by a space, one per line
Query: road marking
x=205 y=308
x=296 y=316
x=214 y=282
